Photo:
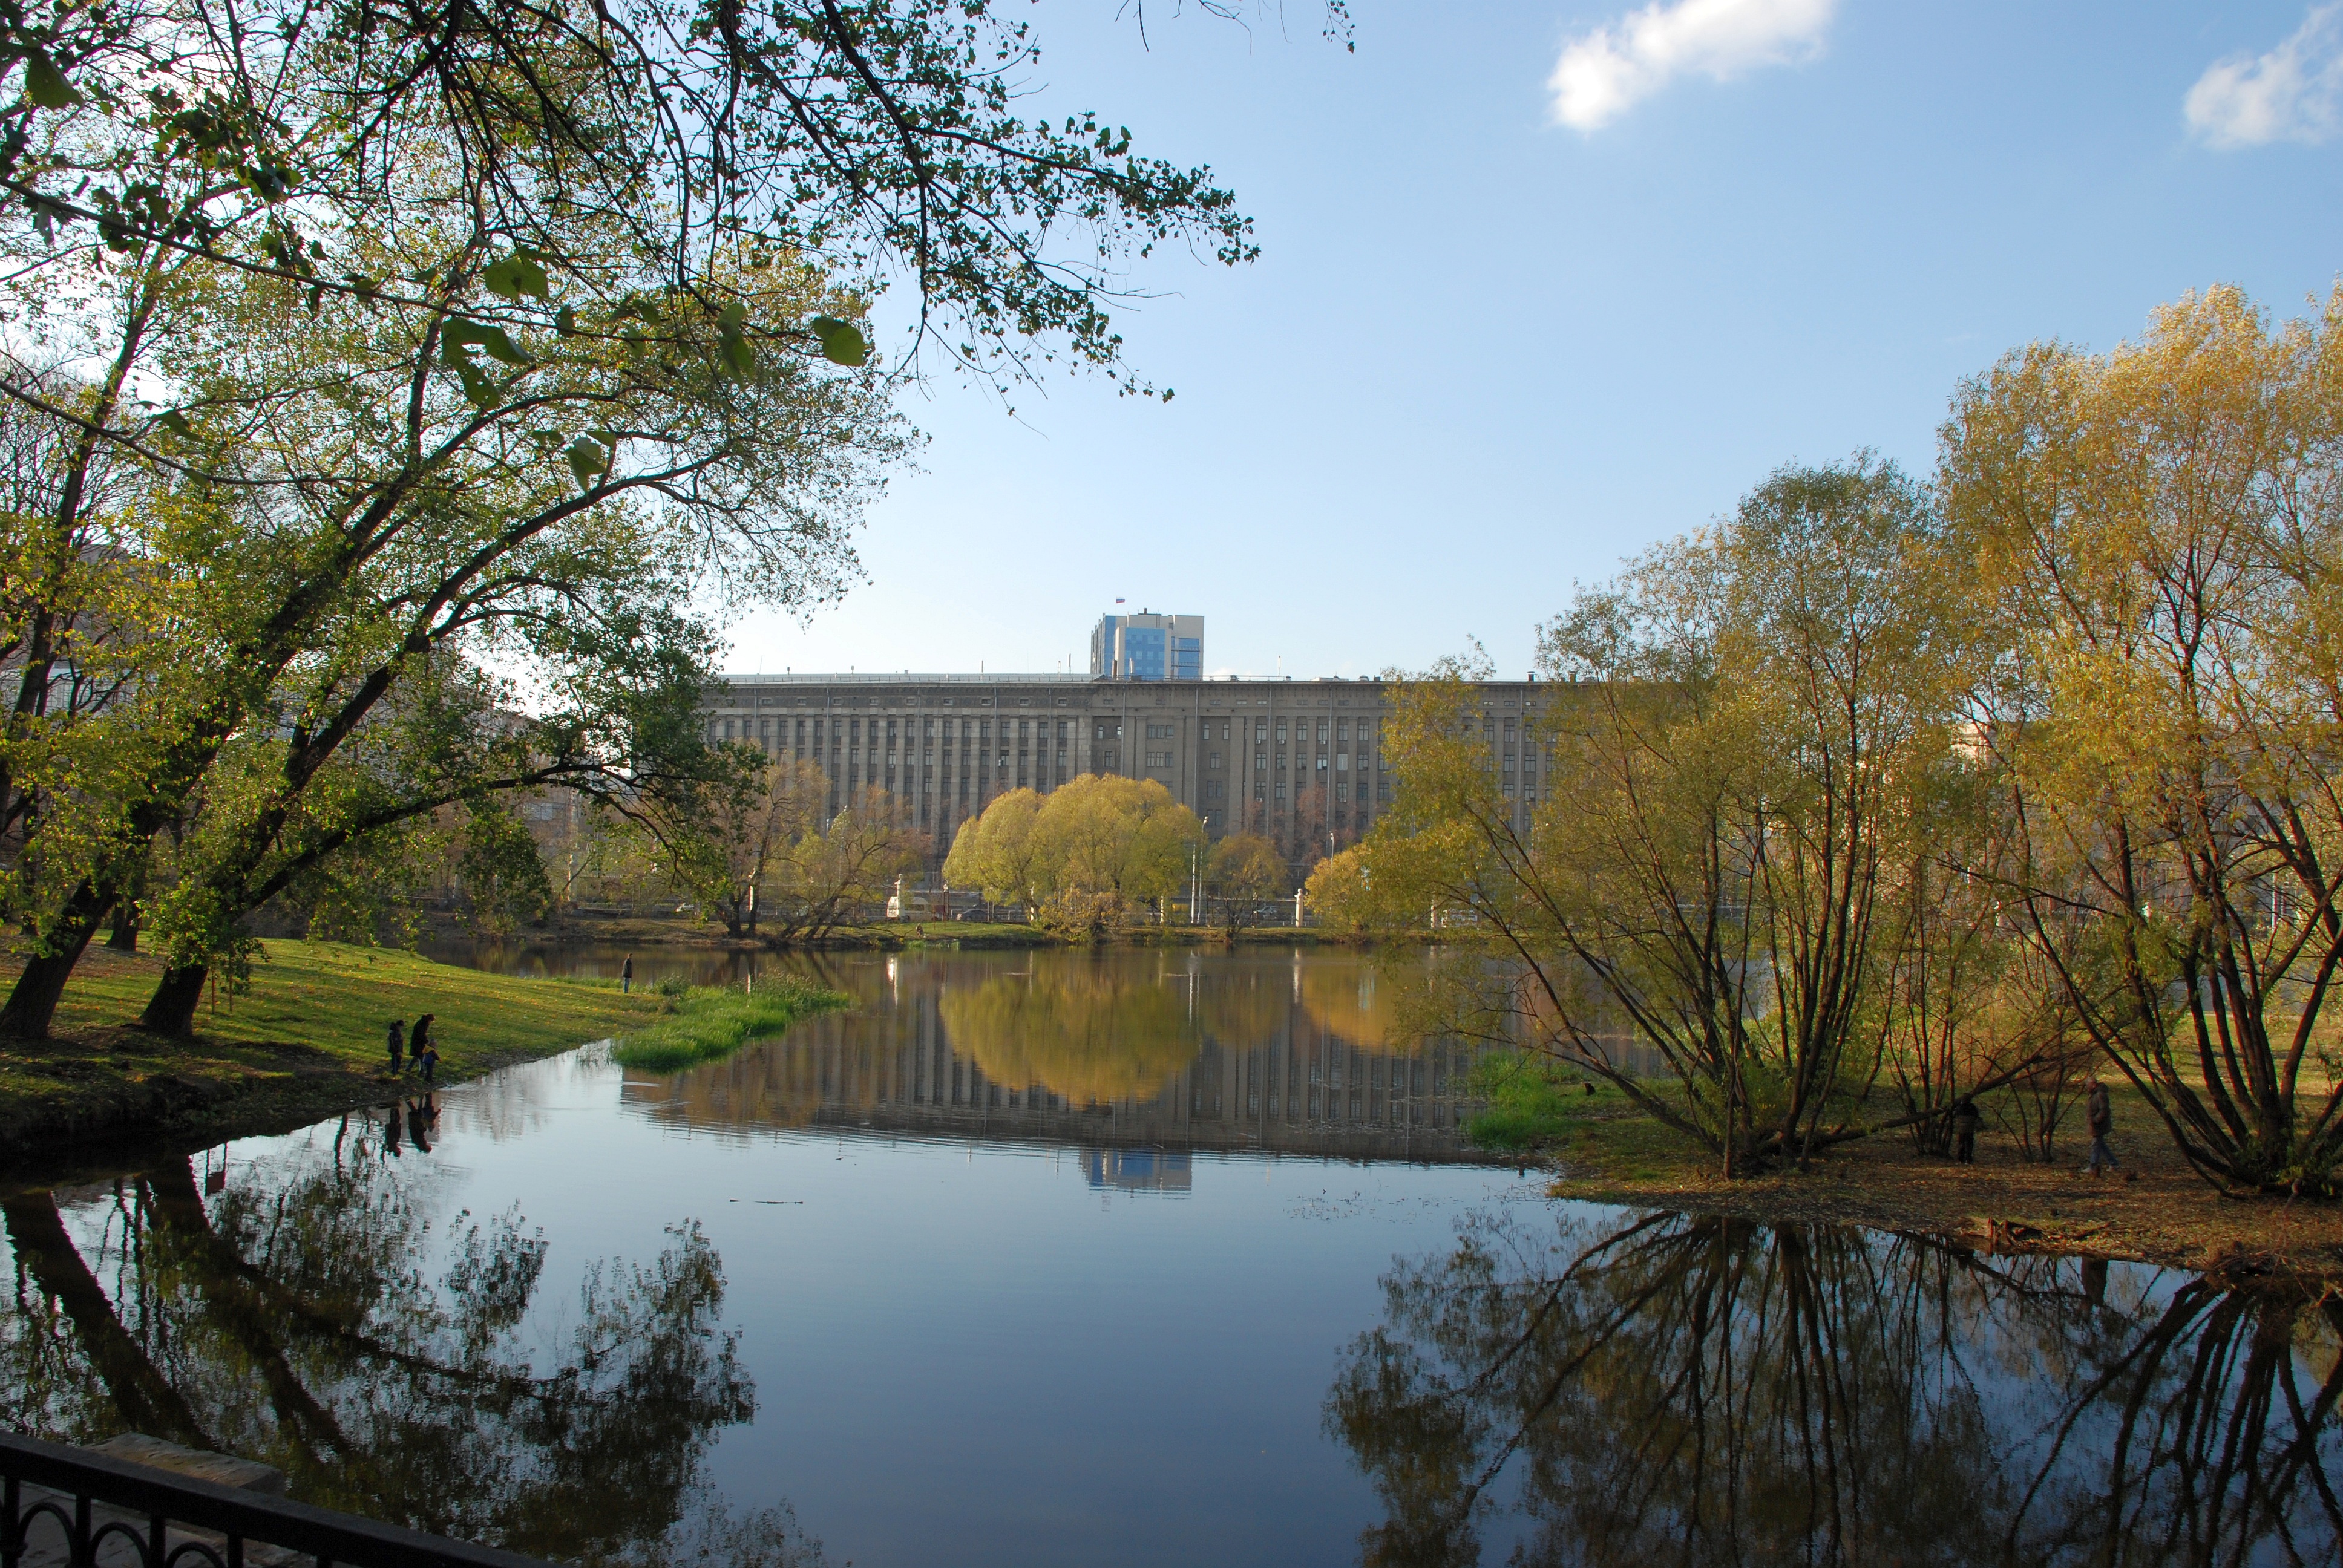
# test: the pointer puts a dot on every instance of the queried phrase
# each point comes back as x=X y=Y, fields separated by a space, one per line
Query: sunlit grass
x=713 y=1022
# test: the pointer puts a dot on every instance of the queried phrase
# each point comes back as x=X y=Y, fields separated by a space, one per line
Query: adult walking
x=419 y=1040
x=397 y=1043
x=1965 y=1129
x=626 y=976
x=2101 y=1116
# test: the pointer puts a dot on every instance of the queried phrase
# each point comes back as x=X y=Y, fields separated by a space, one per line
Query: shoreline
x=304 y=1043
x=2169 y=1216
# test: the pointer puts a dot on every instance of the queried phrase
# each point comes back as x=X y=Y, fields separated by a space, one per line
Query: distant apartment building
x=1300 y=761
x=1148 y=647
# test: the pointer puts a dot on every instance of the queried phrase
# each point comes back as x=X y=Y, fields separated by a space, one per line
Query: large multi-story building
x=1148 y=647
x=1300 y=761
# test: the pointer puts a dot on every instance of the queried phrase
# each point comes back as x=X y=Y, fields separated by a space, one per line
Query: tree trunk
x=33 y=1004
x=172 y=1009
x=124 y=935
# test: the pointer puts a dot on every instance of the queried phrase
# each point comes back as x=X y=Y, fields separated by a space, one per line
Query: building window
x=1280 y=735
x=1159 y=732
x=1213 y=761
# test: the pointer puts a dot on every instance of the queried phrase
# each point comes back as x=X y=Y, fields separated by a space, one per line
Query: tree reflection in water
x=1698 y=1389
x=396 y=1360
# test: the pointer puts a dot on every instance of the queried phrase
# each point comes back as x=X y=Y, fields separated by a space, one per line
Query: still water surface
x=1141 y=1259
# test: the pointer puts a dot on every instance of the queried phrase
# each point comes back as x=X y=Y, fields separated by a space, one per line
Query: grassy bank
x=1604 y=1149
x=708 y=1021
x=306 y=1040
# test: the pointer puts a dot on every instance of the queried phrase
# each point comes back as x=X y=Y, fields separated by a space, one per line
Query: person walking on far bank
x=626 y=976
x=1964 y=1126
x=2101 y=1116
x=397 y=1043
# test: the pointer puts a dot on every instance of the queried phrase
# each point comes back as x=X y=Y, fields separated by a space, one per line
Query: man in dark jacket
x=2101 y=1117
x=1965 y=1129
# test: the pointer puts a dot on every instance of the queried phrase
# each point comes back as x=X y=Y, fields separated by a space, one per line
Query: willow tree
x=1743 y=723
x=2155 y=536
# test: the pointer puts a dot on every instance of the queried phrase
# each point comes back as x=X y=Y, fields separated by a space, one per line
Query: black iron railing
x=81 y=1509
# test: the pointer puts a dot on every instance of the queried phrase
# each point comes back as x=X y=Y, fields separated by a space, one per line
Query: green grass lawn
x=709 y=1022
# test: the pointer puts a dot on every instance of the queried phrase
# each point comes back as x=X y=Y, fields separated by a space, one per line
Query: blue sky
x=1501 y=336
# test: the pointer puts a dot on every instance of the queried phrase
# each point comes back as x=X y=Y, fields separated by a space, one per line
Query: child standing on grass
x=397 y=1043
x=428 y=1059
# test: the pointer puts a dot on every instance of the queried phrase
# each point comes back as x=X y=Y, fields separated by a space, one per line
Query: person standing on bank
x=626 y=976
x=420 y=1040
x=427 y=1059
x=1964 y=1126
x=2101 y=1116
x=397 y=1043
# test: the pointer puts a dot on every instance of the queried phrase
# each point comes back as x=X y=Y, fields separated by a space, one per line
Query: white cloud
x=1604 y=74
x=2292 y=94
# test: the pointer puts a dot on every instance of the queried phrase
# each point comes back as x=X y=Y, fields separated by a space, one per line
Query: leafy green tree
x=428 y=276
x=2155 y=567
x=1102 y=835
x=995 y=851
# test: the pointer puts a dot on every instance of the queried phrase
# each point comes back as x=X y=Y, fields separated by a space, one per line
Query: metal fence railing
x=73 y=1508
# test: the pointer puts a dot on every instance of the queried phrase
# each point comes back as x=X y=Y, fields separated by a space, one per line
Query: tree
x=1246 y=872
x=1749 y=712
x=1341 y=890
x=851 y=864
x=1081 y=856
x=2154 y=552
x=1102 y=835
x=994 y=851
x=607 y=237
x=727 y=841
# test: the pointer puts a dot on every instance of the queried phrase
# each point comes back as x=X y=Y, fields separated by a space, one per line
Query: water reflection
x=1710 y=1391
x=330 y=1316
x=1278 y=1051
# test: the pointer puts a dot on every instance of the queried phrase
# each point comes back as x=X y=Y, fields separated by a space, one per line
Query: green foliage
x=1089 y=853
x=502 y=874
x=712 y=1022
x=1532 y=1102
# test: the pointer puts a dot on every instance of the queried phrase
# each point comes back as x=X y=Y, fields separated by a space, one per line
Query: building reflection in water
x=1286 y=1053
x=1139 y=1169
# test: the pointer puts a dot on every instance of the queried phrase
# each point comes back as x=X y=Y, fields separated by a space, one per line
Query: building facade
x=1300 y=761
x=1148 y=647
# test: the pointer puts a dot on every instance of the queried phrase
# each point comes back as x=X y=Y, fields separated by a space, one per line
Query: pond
x=1135 y=1258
